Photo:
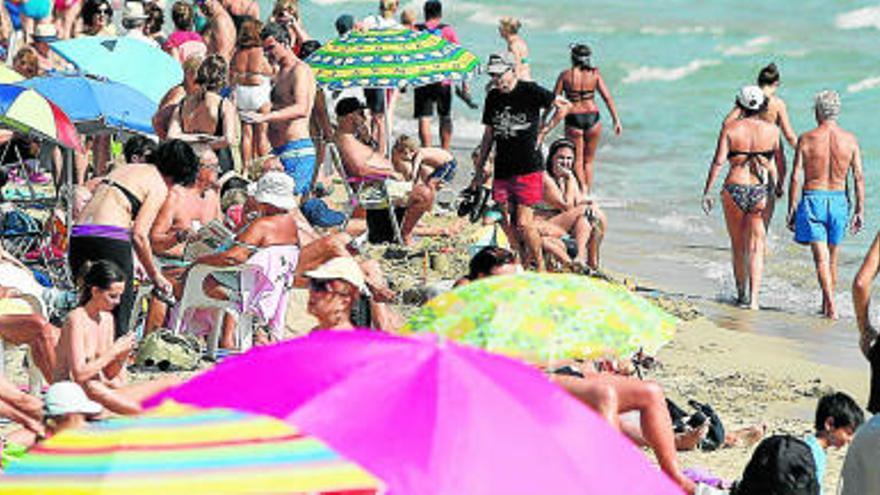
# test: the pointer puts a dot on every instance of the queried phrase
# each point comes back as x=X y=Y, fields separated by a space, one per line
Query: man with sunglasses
x=513 y=117
x=362 y=161
x=334 y=289
x=293 y=97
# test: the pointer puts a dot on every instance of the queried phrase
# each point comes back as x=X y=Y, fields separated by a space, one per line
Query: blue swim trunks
x=446 y=172
x=36 y=9
x=298 y=158
x=822 y=216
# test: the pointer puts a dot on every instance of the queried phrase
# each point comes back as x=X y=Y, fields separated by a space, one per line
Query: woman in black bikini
x=579 y=84
x=748 y=144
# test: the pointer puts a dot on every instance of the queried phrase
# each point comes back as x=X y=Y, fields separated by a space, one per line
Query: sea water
x=673 y=68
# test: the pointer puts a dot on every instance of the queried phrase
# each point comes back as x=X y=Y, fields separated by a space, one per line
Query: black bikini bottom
x=582 y=121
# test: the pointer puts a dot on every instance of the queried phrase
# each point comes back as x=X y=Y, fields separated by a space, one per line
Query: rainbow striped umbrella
x=9 y=76
x=390 y=59
x=177 y=449
x=26 y=111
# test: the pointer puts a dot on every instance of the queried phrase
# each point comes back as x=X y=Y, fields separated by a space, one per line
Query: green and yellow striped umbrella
x=390 y=59
x=542 y=318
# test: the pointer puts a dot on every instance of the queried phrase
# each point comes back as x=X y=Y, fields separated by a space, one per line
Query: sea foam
x=867 y=17
x=750 y=47
x=864 y=84
x=644 y=74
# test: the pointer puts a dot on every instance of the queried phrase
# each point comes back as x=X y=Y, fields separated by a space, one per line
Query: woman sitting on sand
x=87 y=352
x=748 y=144
x=579 y=85
x=566 y=211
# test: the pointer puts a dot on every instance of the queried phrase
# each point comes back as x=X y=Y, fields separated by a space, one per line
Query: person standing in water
x=776 y=113
x=748 y=144
x=508 y=29
x=825 y=154
x=579 y=85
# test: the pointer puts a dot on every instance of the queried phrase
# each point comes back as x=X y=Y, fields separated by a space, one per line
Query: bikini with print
x=748 y=196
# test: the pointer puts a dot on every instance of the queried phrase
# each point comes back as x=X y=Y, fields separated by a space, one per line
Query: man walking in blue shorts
x=825 y=154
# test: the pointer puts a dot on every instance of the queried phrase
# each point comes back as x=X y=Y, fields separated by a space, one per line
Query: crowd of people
x=242 y=141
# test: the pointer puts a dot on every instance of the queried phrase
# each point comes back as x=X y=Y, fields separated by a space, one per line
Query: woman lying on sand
x=609 y=395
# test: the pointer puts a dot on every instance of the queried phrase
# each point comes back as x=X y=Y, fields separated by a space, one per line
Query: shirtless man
x=825 y=154
x=222 y=39
x=292 y=100
x=87 y=352
x=360 y=160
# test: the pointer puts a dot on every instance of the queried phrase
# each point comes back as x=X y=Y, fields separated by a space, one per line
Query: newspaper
x=208 y=239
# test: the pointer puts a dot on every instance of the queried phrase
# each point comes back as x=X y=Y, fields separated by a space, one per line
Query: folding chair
x=370 y=193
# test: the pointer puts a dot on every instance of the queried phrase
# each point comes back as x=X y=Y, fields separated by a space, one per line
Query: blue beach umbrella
x=96 y=104
x=124 y=60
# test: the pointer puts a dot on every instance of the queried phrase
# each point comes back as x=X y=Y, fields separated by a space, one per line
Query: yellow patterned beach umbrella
x=390 y=58
x=542 y=318
x=178 y=449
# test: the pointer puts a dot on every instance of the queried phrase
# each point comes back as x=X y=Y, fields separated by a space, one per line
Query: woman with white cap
x=749 y=145
x=334 y=289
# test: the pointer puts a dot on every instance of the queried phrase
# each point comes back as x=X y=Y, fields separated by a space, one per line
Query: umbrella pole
x=66 y=182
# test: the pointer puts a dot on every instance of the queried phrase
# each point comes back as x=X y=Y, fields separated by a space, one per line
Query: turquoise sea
x=673 y=68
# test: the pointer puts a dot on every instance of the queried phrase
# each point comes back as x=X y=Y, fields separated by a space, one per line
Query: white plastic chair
x=194 y=297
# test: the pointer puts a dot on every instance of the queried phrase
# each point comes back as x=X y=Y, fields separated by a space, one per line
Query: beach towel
x=266 y=284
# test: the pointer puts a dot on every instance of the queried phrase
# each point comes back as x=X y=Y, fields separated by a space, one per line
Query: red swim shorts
x=526 y=190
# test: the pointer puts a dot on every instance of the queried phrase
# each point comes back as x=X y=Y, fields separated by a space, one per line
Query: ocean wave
x=644 y=74
x=750 y=47
x=677 y=222
x=335 y=2
x=699 y=29
x=864 y=84
x=867 y=17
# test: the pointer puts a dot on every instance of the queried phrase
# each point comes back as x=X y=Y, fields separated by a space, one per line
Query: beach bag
x=166 y=351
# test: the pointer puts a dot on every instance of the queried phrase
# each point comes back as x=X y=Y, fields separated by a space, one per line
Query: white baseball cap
x=274 y=188
x=341 y=268
x=69 y=398
x=750 y=97
x=499 y=63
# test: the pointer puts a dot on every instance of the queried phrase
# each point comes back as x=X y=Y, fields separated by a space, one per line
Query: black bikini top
x=750 y=154
x=576 y=95
x=135 y=202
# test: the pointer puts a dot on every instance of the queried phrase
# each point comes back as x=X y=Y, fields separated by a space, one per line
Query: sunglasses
x=499 y=75
x=103 y=11
x=323 y=286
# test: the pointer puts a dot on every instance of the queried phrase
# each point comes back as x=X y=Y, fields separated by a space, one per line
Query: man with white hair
x=133 y=19
x=826 y=154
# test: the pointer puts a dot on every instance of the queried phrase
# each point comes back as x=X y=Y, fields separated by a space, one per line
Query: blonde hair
x=406 y=143
x=510 y=25
x=192 y=63
x=408 y=17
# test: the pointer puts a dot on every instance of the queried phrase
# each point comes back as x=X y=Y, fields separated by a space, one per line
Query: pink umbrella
x=431 y=417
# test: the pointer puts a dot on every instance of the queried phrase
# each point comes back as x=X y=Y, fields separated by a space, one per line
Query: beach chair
x=194 y=297
x=370 y=193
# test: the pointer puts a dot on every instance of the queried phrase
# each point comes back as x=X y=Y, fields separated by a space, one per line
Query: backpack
x=436 y=31
x=781 y=465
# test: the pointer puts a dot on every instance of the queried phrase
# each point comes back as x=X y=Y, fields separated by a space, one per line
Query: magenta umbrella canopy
x=431 y=417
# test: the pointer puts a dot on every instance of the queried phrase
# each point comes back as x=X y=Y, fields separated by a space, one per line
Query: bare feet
x=745 y=437
x=689 y=440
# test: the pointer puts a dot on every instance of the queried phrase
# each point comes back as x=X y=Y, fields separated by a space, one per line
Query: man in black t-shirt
x=512 y=116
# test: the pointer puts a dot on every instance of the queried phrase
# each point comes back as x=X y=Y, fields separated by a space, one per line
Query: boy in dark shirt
x=512 y=116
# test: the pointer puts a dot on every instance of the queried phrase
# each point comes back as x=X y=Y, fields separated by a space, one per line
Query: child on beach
x=433 y=166
x=837 y=418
